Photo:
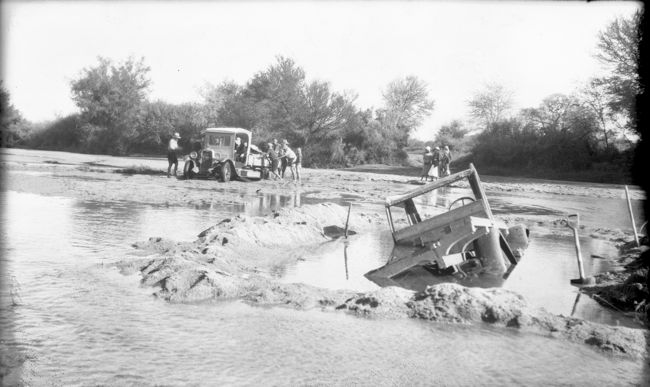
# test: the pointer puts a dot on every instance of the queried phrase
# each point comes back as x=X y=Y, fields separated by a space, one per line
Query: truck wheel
x=188 y=170
x=226 y=172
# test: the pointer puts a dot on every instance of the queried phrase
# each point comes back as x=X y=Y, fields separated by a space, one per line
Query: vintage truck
x=458 y=245
x=224 y=157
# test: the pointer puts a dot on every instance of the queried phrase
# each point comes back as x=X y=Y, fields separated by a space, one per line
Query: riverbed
x=69 y=317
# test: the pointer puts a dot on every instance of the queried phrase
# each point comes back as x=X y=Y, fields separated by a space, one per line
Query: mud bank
x=625 y=288
x=452 y=303
x=96 y=177
x=237 y=259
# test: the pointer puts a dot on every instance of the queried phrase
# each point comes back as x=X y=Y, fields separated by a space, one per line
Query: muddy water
x=543 y=276
x=68 y=319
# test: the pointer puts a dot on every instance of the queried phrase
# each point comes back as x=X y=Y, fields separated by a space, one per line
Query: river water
x=68 y=318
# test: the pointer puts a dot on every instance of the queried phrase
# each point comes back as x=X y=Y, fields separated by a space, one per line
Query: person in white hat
x=172 y=153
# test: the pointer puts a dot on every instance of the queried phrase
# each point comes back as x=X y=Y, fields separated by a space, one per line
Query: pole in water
x=348 y=219
x=629 y=207
x=345 y=258
x=574 y=225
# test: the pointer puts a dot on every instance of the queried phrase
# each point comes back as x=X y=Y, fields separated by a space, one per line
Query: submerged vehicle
x=464 y=244
x=226 y=154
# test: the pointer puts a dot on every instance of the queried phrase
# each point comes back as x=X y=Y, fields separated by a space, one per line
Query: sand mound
x=233 y=258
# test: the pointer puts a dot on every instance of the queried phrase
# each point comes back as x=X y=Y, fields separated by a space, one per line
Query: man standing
x=288 y=157
x=172 y=156
x=275 y=161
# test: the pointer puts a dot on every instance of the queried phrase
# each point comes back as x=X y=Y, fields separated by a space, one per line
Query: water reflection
x=322 y=266
x=258 y=204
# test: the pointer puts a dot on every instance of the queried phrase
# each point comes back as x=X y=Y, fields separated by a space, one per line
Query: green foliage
x=66 y=133
x=451 y=132
x=110 y=98
x=15 y=130
x=558 y=137
x=618 y=49
x=454 y=135
x=407 y=105
x=280 y=103
x=160 y=120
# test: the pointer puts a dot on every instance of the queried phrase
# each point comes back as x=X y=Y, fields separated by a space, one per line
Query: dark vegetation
x=117 y=118
x=588 y=135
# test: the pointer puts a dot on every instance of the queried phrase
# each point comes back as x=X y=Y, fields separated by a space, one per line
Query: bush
x=509 y=147
x=62 y=134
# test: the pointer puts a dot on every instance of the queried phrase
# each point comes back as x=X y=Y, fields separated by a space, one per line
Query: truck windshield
x=218 y=140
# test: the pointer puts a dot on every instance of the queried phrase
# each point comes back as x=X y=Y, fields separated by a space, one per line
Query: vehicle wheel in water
x=226 y=172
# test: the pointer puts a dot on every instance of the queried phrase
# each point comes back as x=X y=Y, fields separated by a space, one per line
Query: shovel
x=573 y=222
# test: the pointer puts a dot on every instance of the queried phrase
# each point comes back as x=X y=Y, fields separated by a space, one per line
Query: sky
x=534 y=49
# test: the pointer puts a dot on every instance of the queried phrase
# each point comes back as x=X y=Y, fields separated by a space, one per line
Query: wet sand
x=232 y=259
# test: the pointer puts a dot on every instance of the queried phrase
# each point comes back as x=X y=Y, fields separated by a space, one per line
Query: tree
x=227 y=105
x=110 y=98
x=618 y=47
x=595 y=96
x=407 y=104
x=277 y=95
x=490 y=105
x=328 y=114
x=452 y=130
x=551 y=115
x=14 y=128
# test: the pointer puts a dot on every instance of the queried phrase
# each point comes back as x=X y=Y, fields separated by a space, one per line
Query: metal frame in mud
x=454 y=230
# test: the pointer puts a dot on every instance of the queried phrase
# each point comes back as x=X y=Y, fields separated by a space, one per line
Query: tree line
x=116 y=117
x=590 y=133
x=593 y=128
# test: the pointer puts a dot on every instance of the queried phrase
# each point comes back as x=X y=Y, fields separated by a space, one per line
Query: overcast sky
x=533 y=48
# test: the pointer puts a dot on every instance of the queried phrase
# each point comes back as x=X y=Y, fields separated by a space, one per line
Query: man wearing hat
x=172 y=156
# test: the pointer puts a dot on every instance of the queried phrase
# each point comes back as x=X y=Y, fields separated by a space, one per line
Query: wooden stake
x=629 y=207
x=347 y=220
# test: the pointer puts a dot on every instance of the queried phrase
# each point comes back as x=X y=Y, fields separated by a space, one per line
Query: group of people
x=281 y=157
x=435 y=163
